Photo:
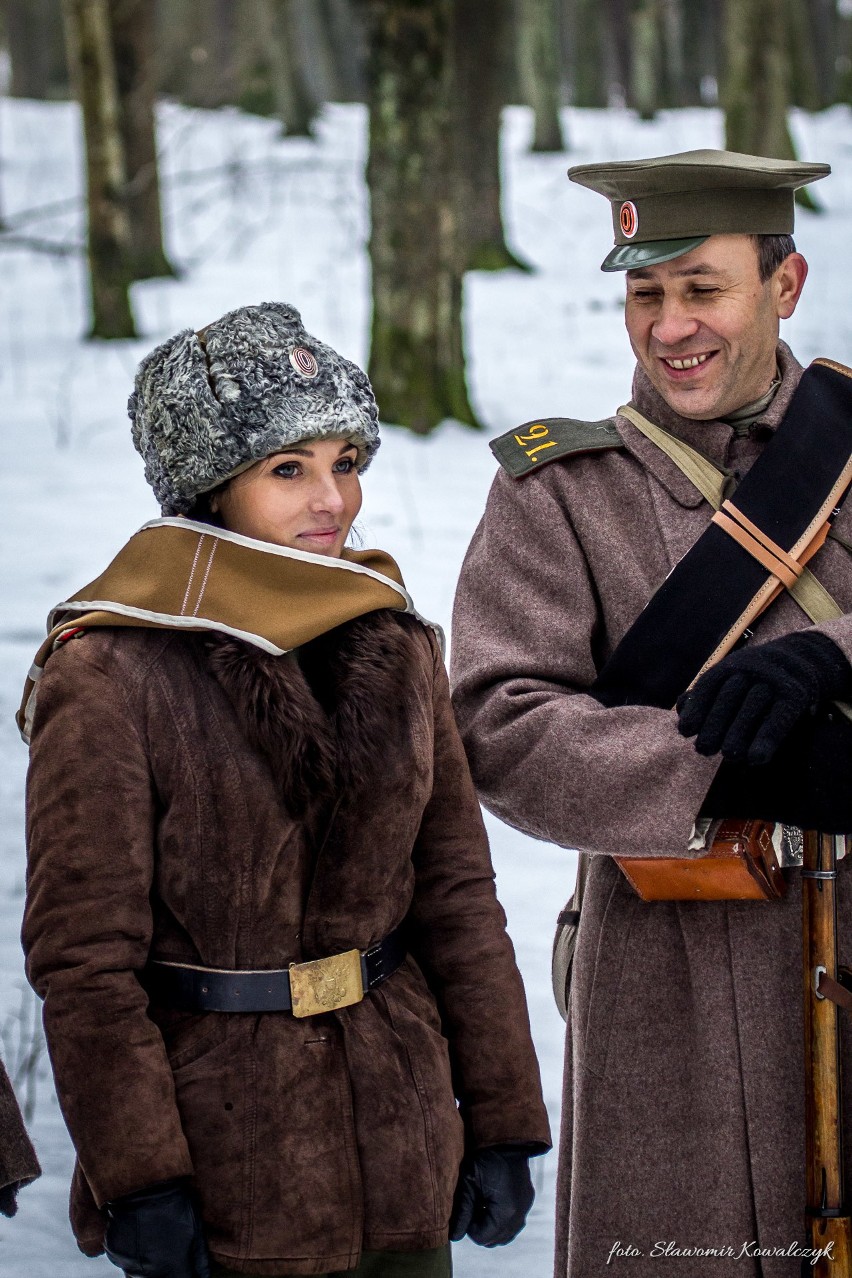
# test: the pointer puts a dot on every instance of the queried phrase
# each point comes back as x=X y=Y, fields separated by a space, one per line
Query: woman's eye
x=287 y=470
x=345 y=465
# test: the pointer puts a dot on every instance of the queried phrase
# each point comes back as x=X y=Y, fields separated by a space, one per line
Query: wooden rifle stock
x=828 y=1223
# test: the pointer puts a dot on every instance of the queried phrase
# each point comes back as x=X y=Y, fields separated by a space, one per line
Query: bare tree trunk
x=299 y=106
x=347 y=39
x=481 y=43
x=272 y=64
x=700 y=54
x=804 y=86
x=756 y=91
x=645 y=62
x=196 y=51
x=825 y=43
x=672 y=24
x=92 y=67
x=585 y=24
x=417 y=358
x=34 y=40
x=539 y=65
x=133 y=42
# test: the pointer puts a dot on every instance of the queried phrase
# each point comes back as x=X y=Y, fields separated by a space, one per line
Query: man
x=683 y=1123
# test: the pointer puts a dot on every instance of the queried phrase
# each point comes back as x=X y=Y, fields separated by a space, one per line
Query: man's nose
x=674 y=323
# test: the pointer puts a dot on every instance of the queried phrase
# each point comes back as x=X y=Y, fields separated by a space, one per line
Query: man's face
x=705 y=328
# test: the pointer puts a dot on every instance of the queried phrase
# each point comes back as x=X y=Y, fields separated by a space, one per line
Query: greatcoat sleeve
x=527 y=642
x=88 y=924
x=459 y=936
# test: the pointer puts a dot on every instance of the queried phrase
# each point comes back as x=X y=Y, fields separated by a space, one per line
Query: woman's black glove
x=749 y=703
x=808 y=782
x=493 y=1196
x=156 y=1233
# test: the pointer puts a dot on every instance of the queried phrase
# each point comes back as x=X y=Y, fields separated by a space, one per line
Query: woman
x=248 y=801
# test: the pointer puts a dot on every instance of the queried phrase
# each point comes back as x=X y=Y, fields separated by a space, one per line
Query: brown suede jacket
x=195 y=799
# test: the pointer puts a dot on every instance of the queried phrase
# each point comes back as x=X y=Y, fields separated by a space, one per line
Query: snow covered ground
x=253 y=217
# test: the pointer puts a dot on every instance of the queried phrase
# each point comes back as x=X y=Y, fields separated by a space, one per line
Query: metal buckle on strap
x=326 y=984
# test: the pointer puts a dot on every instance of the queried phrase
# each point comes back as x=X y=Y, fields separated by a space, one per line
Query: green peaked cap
x=669 y=204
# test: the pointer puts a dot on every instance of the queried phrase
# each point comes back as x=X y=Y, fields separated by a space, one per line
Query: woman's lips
x=322 y=535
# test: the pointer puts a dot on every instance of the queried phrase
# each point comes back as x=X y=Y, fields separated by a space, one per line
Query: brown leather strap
x=761 y=536
x=831 y=989
x=762 y=548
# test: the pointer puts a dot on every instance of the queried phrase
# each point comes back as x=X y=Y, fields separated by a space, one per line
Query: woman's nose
x=327 y=495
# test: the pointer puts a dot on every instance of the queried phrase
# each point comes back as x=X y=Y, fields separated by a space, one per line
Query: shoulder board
x=546 y=439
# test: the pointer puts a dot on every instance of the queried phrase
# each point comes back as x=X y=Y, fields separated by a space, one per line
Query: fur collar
x=331 y=718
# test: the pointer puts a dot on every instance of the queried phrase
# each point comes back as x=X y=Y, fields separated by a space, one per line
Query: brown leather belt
x=305 y=989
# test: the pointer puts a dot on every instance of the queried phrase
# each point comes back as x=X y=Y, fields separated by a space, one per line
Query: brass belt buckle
x=326 y=984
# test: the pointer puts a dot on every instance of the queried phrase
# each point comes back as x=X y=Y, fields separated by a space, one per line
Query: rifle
x=829 y=1226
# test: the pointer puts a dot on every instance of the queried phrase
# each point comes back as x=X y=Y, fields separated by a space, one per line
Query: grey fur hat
x=207 y=405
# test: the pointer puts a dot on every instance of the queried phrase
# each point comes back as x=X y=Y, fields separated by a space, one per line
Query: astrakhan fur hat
x=208 y=405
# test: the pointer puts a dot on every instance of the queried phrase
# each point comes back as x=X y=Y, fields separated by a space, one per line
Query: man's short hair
x=771 y=252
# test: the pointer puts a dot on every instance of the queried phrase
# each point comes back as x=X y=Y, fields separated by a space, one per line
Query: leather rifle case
x=739 y=565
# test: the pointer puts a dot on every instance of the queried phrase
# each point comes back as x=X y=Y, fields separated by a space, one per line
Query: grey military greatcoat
x=683 y=1123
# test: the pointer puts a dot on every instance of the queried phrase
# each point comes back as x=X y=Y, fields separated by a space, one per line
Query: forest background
x=397 y=171
x=435 y=75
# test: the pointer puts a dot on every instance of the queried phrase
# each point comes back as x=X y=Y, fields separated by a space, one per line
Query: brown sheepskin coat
x=194 y=799
x=18 y=1162
x=683 y=1102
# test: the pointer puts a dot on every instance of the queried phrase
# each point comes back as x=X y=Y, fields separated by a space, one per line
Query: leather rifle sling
x=783 y=509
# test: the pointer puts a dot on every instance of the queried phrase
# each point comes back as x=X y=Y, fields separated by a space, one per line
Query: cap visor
x=629 y=257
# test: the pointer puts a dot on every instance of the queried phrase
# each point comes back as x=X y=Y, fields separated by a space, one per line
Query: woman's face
x=305 y=497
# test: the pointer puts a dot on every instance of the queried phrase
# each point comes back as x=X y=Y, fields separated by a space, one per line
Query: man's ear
x=787 y=284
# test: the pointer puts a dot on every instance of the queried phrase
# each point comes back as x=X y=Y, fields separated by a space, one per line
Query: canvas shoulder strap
x=809 y=593
x=747 y=555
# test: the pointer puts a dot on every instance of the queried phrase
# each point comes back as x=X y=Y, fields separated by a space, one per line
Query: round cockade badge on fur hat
x=207 y=405
x=667 y=205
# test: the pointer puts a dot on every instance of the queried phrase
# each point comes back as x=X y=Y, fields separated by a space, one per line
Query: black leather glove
x=749 y=703
x=156 y=1233
x=807 y=783
x=493 y=1196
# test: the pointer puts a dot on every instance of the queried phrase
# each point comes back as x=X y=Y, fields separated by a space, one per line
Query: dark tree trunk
x=481 y=44
x=756 y=91
x=645 y=58
x=347 y=38
x=617 y=38
x=671 y=18
x=585 y=27
x=298 y=102
x=133 y=42
x=93 y=74
x=804 y=87
x=540 y=69
x=701 y=54
x=417 y=358
x=825 y=42
x=36 y=49
x=197 y=51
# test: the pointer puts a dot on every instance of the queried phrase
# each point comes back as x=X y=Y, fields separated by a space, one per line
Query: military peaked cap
x=669 y=204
